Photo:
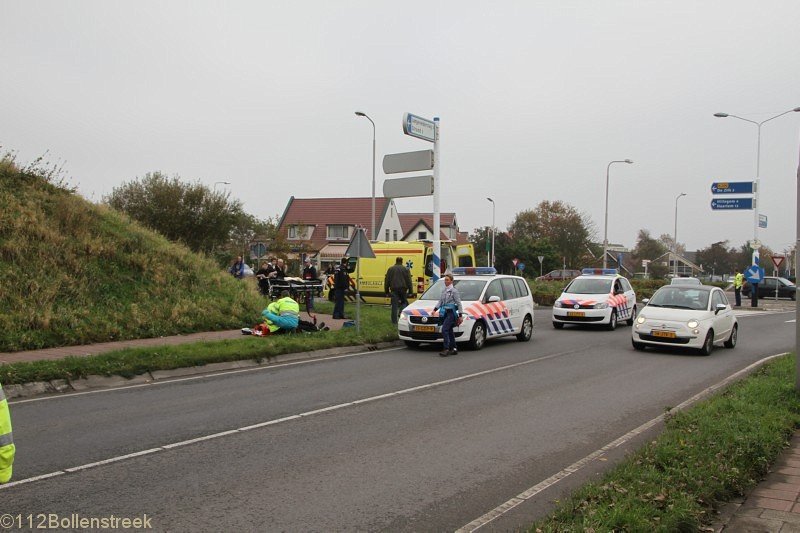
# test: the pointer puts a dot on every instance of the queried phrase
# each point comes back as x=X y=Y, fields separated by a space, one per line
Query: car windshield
x=468 y=289
x=786 y=282
x=685 y=281
x=589 y=286
x=677 y=297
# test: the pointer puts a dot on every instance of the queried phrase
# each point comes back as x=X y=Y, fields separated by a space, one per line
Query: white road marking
x=505 y=507
x=203 y=376
x=792 y=320
x=329 y=409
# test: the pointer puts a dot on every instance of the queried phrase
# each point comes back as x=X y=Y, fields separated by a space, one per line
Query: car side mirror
x=646 y=301
x=493 y=299
x=720 y=307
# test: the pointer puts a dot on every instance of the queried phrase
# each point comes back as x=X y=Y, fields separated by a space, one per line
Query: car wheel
x=412 y=344
x=478 y=337
x=731 y=342
x=633 y=316
x=638 y=346
x=612 y=321
x=708 y=344
x=558 y=325
x=527 y=329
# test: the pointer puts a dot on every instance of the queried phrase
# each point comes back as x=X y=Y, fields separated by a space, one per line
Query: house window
x=387 y=234
x=292 y=232
x=422 y=235
x=395 y=235
x=338 y=231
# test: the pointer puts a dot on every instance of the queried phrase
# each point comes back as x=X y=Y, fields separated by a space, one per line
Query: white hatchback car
x=598 y=296
x=494 y=306
x=689 y=316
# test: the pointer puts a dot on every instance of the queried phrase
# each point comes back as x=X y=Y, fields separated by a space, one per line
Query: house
x=324 y=226
x=419 y=227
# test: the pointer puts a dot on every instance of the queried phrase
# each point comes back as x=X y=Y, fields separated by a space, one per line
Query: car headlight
x=693 y=323
x=601 y=305
x=558 y=304
x=403 y=317
x=640 y=319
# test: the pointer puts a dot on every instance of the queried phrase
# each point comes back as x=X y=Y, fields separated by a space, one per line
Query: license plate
x=665 y=334
x=576 y=313
x=426 y=329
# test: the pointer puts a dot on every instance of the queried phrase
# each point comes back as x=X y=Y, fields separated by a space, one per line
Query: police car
x=598 y=296
x=494 y=305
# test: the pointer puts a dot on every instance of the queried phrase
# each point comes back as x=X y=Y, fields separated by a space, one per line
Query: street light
x=605 y=231
x=675 y=235
x=756 y=207
x=362 y=114
x=494 y=230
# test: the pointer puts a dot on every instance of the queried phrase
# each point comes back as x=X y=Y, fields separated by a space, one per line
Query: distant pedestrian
x=341 y=282
x=309 y=274
x=7 y=449
x=450 y=309
x=279 y=270
x=398 y=285
x=262 y=274
x=237 y=268
x=738 y=281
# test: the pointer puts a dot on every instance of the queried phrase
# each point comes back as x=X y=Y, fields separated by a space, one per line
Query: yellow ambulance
x=417 y=256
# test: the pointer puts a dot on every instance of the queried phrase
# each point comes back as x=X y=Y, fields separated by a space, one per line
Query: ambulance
x=598 y=296
x=417 y=257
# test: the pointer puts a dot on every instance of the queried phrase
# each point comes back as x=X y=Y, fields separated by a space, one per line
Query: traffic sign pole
x=437 y=185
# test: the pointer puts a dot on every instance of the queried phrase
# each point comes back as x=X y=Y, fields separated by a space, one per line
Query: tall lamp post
x=756 y=206
x=605 y=231
x=494 y=230
x=374 y=229
x=675 y=234
x=218 y=182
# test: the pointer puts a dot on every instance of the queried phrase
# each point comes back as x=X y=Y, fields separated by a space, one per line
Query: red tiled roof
x=409 y=220
x=320 y=212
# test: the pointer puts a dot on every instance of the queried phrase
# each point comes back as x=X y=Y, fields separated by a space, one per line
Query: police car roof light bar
x=600 y=271
x=474 y=271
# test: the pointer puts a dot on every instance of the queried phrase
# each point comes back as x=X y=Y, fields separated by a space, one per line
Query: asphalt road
x=399 y=440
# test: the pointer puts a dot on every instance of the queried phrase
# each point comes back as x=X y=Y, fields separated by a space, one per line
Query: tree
x=718 y=258
x=190 y=213
x=669 y=243
x=481 y=240
x=648 y=248
x=567 y=230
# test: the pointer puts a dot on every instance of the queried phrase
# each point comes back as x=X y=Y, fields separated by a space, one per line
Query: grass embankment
x=73 y=272
x=376 y=327
x=705 y=456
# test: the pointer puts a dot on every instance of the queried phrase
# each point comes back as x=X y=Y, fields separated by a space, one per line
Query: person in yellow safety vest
x=283 y=314
x=6 y=440
x=738 y=281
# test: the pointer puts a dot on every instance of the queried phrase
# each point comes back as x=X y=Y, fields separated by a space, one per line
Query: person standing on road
x=7 y=449
x=398 y=284
x=738 y=281
x=341 y=282
x=450 y=305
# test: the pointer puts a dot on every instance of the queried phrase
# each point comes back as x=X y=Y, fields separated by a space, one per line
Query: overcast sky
x=535 y=99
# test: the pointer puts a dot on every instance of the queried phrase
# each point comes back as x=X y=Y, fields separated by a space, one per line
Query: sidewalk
x=103 y=347
x=774 y=504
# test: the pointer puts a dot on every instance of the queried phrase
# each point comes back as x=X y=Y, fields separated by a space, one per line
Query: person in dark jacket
x=262 y=274
x=237 y=269
x=309 y=274
x=341 y=282
x=398 y=285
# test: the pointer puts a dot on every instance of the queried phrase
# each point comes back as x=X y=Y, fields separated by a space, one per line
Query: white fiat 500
x=689 y=316
x=598 y=296
x=494 y=305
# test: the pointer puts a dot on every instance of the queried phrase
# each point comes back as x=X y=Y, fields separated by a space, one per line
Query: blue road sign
x=521 y=266
x=754 y=274
x=732 y=187
x=732 y=203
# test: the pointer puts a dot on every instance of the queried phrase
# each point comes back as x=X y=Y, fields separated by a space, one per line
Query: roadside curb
x=37 y=388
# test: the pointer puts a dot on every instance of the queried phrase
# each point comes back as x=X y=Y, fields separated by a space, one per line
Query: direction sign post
x=732 y=187
x=406 y=187
x=408 y=162
x=732 y=203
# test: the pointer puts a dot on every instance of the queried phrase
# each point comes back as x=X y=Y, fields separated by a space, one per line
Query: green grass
x=704 y=457
x=73 y=272
x=375 y=322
